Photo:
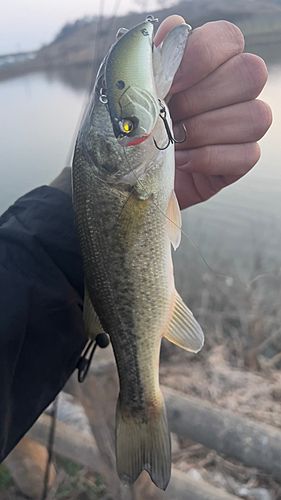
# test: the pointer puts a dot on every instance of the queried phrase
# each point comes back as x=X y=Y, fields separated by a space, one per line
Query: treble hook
x=171 y=138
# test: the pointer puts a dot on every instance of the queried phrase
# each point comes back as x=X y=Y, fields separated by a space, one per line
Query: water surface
x=39 y=118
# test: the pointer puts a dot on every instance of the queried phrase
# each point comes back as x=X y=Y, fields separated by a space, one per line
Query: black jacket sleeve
x=41 y=289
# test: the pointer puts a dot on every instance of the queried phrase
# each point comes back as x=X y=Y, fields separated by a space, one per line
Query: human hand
x=214 y=94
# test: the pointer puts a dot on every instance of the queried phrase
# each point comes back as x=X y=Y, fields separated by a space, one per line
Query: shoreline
x=256 y=42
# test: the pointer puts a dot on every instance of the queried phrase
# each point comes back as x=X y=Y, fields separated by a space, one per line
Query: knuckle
x=205 y=158
x=203 y=50
x=214 y=43
x=185 y=103
x=192 y=131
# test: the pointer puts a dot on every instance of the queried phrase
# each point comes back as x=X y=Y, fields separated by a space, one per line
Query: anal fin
x=183 y=329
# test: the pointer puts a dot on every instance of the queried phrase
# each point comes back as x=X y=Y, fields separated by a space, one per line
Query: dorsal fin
x=167 y=58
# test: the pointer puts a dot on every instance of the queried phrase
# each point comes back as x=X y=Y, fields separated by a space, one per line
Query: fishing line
x=99 y=27
x=96 y=31
x=99 y=20
x=264 y=275
x=185 y=234
x=217 y=273
x=113 y=17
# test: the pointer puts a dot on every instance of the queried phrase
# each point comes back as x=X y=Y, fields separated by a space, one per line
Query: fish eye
x=126 y=126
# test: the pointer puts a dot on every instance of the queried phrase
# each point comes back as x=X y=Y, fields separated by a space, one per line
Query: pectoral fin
x=184 y=330
x=167 y=58
x=132 y=216
x=90 y=317
x=174 y=221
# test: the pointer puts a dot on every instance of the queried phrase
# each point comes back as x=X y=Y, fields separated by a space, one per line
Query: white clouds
x=27 y=24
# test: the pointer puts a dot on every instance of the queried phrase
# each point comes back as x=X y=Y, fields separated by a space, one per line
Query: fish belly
x=127 y=260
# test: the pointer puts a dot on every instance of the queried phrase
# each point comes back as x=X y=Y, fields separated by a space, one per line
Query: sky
x=28 y=24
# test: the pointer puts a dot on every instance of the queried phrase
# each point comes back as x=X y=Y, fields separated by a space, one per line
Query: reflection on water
x=40 y=114
x=79 y=78
x=39 y=117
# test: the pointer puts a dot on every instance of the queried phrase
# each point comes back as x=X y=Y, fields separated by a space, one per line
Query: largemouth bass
x=127 y=217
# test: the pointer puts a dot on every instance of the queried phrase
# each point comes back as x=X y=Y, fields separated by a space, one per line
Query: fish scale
x=127 y=216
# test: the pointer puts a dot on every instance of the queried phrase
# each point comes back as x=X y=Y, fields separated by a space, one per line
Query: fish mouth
x=130 y=141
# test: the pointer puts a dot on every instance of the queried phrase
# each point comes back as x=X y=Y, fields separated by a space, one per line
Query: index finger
x=207 y=48
x=167 y=25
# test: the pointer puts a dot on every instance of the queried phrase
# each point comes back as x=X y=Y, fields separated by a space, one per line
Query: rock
x=194 y=474
x=71 y=412
x=27 y=465
x=255 y=493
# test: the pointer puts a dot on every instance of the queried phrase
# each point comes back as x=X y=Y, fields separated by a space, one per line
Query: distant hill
x=84 y=42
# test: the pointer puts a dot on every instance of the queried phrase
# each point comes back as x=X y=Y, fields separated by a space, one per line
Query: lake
x=39 y=117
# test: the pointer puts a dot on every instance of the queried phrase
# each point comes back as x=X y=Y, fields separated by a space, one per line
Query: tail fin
x=143 y=445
